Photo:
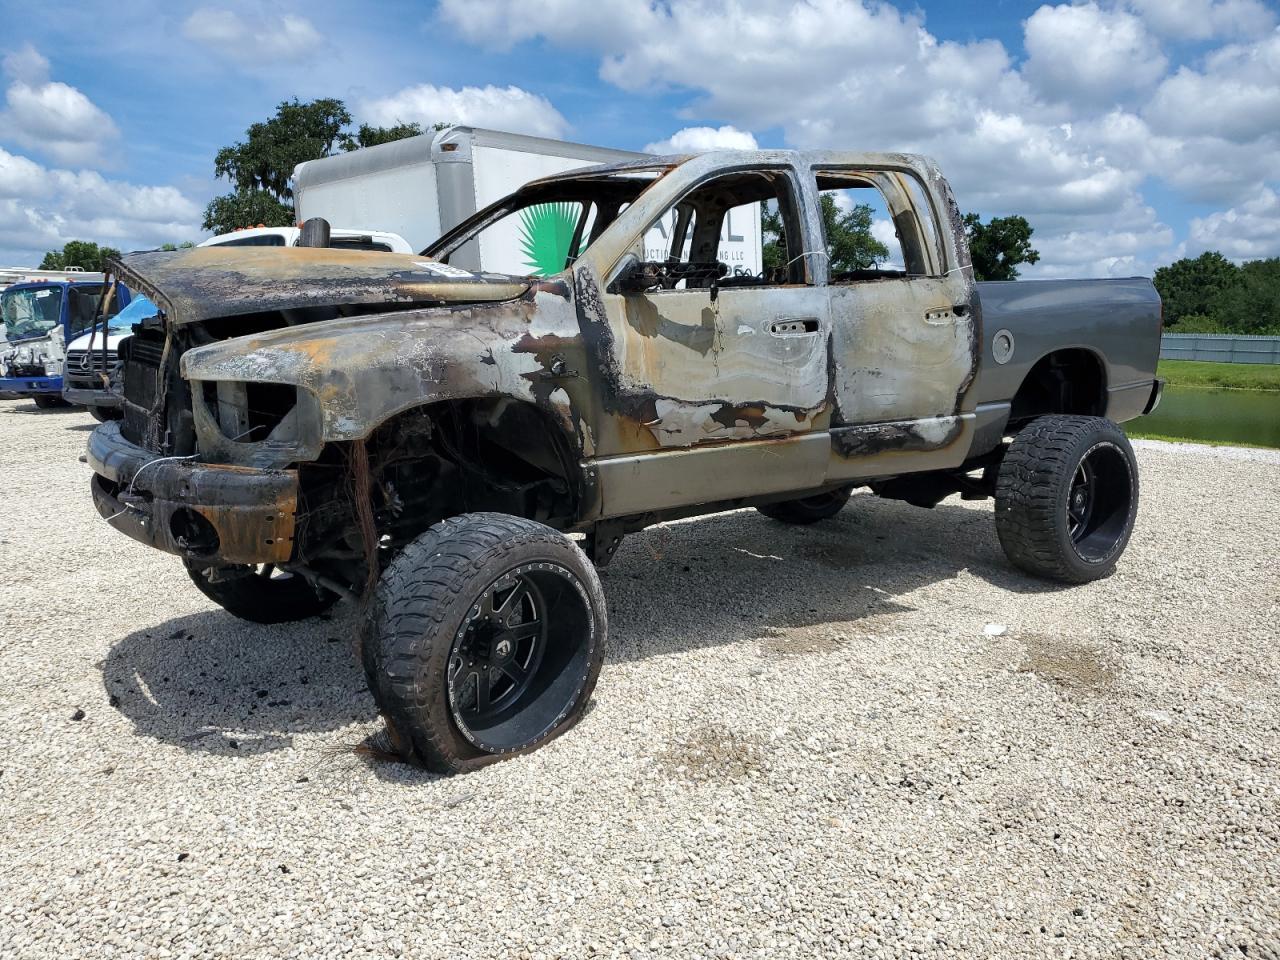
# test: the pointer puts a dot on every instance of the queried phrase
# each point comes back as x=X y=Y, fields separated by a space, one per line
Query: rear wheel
x=487 y=636
x=807 y=510
x=261 y=594
x=1067 y=498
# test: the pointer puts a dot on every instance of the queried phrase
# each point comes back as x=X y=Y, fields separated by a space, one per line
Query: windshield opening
x=542 y=228
x=30 y=312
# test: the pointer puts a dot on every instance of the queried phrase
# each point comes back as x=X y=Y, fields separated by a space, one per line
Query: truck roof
x=714 y=158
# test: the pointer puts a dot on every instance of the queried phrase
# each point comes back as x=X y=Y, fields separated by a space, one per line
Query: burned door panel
x=731 y=368
x=903 y=349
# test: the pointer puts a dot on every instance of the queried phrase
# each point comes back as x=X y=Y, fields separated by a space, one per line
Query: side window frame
x=907 y=208
x=795 y=221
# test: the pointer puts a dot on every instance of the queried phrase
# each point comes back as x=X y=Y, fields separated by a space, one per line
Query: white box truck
x=422 y=186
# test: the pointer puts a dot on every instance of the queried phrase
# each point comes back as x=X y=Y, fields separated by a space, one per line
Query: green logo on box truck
x=546 y=230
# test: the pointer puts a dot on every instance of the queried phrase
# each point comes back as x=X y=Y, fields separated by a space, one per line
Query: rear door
x=903 y=328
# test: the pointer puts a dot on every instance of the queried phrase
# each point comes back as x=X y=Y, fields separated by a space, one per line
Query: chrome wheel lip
x=580 y=682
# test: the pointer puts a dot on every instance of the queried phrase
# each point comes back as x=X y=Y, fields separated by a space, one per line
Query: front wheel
x=486 y=637
x=48 y=401
x=104 y=414
x=1067 y=498
x=262 y=594
x=808 y=510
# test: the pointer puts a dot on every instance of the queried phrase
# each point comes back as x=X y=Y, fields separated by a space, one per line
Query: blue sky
x=1128 y=131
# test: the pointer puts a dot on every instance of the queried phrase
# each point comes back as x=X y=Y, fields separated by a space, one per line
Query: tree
x=999 y=246
x=850 y=244
x=369 y=136
x=1252 y=304
x=260 y=166
x=265 y=159
x=246 y=208
x=1191 y=287
x=78 y=253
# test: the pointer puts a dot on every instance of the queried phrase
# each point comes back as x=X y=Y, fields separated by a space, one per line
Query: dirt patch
x=714 y=755
x=1067 y=665
x=793 y=643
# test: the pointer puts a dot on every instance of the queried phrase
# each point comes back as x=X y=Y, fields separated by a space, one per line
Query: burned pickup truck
x=303 y=425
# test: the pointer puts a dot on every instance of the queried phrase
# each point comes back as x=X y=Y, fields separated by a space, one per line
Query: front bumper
x=207 y=512
x=30 y=386
x=90 y=397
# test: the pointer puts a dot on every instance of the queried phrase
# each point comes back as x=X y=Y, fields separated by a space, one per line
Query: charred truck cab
x=302 y=425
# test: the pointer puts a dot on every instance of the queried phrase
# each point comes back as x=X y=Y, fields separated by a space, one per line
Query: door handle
x=793 y=326
x=947 y=313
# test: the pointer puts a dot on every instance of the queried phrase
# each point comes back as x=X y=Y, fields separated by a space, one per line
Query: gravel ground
x=805 y=742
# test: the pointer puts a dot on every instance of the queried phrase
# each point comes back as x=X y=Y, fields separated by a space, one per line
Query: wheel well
x=437 y=461
x=1069 y=381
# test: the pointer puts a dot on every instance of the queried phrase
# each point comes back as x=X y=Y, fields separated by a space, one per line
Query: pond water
x=1203 y=413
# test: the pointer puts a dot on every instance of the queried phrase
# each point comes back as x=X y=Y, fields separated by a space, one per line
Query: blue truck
x=39 y=318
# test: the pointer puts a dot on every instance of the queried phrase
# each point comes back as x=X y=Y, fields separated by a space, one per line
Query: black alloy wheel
x=1067 y=497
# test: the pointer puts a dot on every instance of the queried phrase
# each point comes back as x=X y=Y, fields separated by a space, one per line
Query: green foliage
x=1190 y=287
x=1210 y=294
x=850 y=244
x=775 y=241
x=369 y=136
x=1237 y=376
x=78 y=253
x=246 y=208
x=999 y=246
x=1252 y=305
x=546 y=230
x=1196 y=323
x=184 y=245
x=265 y=159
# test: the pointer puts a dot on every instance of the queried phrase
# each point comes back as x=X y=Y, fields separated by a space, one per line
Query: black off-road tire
x=47 y=401
x=1043 y=524
x=427 y=612
x=280 y=598
x=822 y=506
x=104 y=414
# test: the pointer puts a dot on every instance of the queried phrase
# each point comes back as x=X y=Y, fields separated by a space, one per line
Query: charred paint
x=877 y=438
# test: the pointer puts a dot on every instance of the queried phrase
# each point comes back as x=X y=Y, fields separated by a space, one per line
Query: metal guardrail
x=1222 y=348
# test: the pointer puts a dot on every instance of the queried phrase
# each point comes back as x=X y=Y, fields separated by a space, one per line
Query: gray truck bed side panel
x=1117 y=320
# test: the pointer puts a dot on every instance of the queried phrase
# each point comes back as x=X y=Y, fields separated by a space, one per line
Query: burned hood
x=201 y=283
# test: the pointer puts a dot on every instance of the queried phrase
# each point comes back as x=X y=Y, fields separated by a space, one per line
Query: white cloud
x=1248 y=232
x=501 y=24
x=884 y=231
x=1203 y=19
x=1084 y=54
x=701 y=139
x=261 y=39
x=1235 y=97
x=503 y=108
x=51 y=117
x=41 y=208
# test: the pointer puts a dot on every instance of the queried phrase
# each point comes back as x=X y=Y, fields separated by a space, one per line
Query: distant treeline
x=1210 y=294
